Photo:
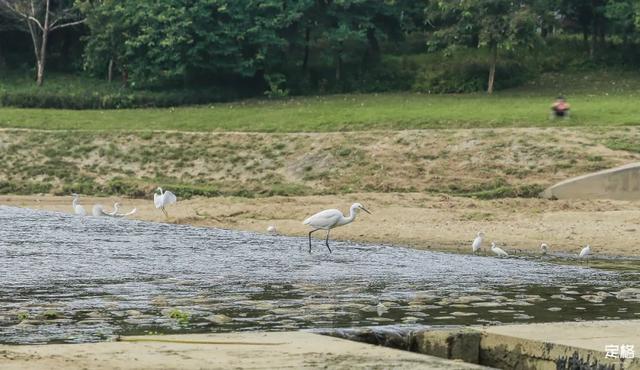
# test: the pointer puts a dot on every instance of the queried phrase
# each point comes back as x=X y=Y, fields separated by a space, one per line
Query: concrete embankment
x=282 y=350
x=621 y=183
x=570 y=345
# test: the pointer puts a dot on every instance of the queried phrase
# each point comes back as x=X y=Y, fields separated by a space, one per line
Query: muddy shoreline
x=418 y=220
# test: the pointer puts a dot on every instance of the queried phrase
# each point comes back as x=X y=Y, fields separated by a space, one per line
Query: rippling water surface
x=73 y=279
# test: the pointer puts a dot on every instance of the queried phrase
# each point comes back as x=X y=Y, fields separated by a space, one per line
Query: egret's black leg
x=311 y=232
x=326 y=241
x=165 y=212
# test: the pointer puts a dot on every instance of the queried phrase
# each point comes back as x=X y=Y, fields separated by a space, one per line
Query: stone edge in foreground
x=219 y=351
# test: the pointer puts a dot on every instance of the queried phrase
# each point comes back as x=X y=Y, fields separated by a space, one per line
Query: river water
x=76 y=279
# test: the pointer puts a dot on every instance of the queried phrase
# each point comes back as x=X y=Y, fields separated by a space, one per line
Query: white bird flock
x=324 y=220
x=331 y=218
x=98 y=209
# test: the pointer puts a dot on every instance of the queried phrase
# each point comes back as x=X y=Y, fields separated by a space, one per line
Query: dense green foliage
x=178 y=52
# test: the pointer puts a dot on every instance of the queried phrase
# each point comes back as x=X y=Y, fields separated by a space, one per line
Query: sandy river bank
x=415 y=219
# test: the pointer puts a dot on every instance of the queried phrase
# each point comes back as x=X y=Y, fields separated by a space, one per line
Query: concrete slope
x=622 y=183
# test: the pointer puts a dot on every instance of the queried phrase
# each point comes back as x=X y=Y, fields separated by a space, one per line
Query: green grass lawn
x=597 y=100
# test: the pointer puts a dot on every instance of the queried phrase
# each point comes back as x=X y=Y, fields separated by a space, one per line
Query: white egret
x=116 y=207
x=477 y=242
x=498 y=251
x=544 y=247
x=98 y=211
x=77 y=209
x=330 y=218
x=585 y=252
x=272 y=230
x=163 y=199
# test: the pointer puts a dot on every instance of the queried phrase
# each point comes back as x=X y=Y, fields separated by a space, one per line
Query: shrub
x=276 y=84
x=24 y=188
x=77 y=92
x=464 y=74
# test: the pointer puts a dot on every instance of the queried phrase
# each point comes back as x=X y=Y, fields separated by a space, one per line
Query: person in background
x=560 y=108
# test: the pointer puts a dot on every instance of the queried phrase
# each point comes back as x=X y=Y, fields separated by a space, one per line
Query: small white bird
x=477 y=242
x=116 y=207
x=163 y=199
x=77 y=209
x=498 y=251
x=544 y=247
x=98 y=211
x=381 y=309
x=272 y=230
x=585 y=252
x=331 y=218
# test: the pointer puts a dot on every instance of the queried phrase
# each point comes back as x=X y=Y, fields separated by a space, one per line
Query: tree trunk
x=305 y=60
x=110 y=71
x=602 y=32
x=338 y=66
x=42 y=58
x=2 y=61
x=594 y=30
x=374 y=45
x=492 y=67
x=125 y=76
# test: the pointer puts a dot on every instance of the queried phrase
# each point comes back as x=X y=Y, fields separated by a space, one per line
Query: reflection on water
x=71 y=279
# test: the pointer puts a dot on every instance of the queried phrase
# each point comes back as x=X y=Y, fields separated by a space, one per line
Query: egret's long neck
x=75 y=202
x=115 y=207
x=160 y=190
x=352 y=216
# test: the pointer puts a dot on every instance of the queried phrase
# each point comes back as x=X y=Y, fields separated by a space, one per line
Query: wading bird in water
x=98 y=211
x=331 y=218
x=498 y=251
x=77 y=209
x=477 y=242
x=116 y=207
x=162 y=199
x=544 y=247
x=585 y=252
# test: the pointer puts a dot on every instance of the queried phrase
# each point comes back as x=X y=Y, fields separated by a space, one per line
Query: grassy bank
x=597 y=100
x=601 y=99
x=481 y=163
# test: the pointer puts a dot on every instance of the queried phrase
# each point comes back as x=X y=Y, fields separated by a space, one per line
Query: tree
x=494 y=24
x=621 y=16
x=106 y=20
x=39 y=18
x=175 y=39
